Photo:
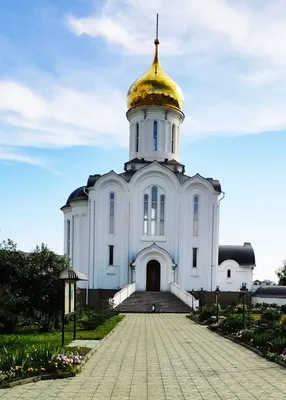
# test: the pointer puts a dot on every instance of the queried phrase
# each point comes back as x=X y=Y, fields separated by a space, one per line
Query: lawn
x=54 y=339
x=258 y=316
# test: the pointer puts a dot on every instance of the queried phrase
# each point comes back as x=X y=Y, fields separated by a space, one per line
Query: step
x=165 y=302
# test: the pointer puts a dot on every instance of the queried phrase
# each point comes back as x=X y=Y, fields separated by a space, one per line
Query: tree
x=281 y=273
x=30 y=287
x=45 y=290
x=13 y=275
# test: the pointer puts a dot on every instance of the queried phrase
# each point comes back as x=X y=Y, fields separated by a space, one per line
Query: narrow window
x=229 y=273
x=155 y=135
x=145 y=221
x=162 y=214
x=196 y=215
x=111 y=212
x=173 y=138
x=111 y=252
x=195 y=257
x=68 y=237
x=137 y=137
x=154 y=206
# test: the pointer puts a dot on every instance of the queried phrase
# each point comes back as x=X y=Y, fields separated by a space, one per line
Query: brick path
x=164 y=356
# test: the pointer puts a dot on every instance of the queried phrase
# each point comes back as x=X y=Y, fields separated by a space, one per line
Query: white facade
x=231 y=275
x=152 y=224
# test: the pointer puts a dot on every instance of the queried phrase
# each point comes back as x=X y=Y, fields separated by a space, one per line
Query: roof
x=270 y=291
x=73 y=275
x=76 y=195
x=80 y=193
x=243 y=255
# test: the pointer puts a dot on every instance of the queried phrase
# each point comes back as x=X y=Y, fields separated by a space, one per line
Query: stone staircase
x=165 y=302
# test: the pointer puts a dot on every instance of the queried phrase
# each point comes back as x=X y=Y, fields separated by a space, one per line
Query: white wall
x=269 y=300
x=165 y=117
x=92 y=238
x=239 y=274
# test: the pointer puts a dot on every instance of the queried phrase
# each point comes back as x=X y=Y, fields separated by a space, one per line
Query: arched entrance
x=153 y=276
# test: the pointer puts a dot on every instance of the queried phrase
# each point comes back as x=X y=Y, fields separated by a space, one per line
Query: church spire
x=156 y=42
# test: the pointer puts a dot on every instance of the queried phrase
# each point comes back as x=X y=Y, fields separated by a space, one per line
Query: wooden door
x=153 y=276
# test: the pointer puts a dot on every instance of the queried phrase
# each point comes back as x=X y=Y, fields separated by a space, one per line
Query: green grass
x=258 y=316
x=24 y=340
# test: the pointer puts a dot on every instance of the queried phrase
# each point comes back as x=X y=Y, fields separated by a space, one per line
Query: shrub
x=270 y=316
x=261 y=339
x=283 y=309
x=208 y=311
x=231 y=324
x=278 y=344
x=92 y=322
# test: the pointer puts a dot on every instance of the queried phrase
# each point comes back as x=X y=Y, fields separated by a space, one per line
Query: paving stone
x=164 y=356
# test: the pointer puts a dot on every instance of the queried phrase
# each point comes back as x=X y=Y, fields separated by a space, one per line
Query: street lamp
x=217 y=292
x=201 y=298
x=243 y=290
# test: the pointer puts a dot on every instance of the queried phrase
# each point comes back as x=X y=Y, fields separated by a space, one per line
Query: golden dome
x=155 y=87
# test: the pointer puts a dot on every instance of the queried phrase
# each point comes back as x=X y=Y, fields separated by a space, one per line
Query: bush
x=260 y=339
x=283 y=309
x=270 y=316
x=208 y=311
x=278 y=344
x=231 y=324
x=92 y=317
x=92 y=322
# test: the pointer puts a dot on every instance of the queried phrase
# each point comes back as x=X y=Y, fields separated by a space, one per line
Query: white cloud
x=64 y=118
x=8 y=155
x=252 y=29
x=230 y=57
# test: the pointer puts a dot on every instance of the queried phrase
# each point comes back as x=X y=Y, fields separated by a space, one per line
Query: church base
x=94 y=295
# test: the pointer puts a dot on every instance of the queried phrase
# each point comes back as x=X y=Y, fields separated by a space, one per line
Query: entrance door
x=153 y=276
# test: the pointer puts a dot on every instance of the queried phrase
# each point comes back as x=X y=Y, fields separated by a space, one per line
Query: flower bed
x=266 y=335
x=26 y=358
x=17 y=365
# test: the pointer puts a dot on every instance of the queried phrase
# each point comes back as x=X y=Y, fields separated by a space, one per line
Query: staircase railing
x=186 y=297
x=122 y=295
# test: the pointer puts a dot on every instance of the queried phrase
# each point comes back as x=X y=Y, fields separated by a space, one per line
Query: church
x=153 y=224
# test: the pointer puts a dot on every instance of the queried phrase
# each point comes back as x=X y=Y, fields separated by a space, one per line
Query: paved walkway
x=164 y=356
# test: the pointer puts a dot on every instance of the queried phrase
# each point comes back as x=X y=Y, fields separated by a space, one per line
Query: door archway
x=153 y=276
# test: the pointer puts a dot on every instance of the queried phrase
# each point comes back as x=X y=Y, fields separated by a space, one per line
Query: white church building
x=153 y=224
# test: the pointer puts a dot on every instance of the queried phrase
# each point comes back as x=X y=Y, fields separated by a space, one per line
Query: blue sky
x=65 y=69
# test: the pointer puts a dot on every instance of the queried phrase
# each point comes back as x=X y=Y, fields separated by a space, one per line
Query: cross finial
x=157 y=30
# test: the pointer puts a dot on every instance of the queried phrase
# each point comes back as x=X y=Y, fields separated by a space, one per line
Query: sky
x=65 y=69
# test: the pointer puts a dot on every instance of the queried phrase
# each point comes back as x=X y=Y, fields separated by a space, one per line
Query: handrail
x=185 y=296
x=122 y=295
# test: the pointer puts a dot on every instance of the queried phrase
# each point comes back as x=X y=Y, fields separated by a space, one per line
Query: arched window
x=173 y=139
x=137 y=137
x=145 y=220
x=154 y=207
x=68 y=237
x=111 y=212
x=228 y=273
x=154 y=212
x=162 y=214
x=155 y=135
x=196 y=216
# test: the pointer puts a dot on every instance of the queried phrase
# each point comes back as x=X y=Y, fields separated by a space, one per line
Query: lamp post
x=201 y=298
x=217 y=292
x=243 y=290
